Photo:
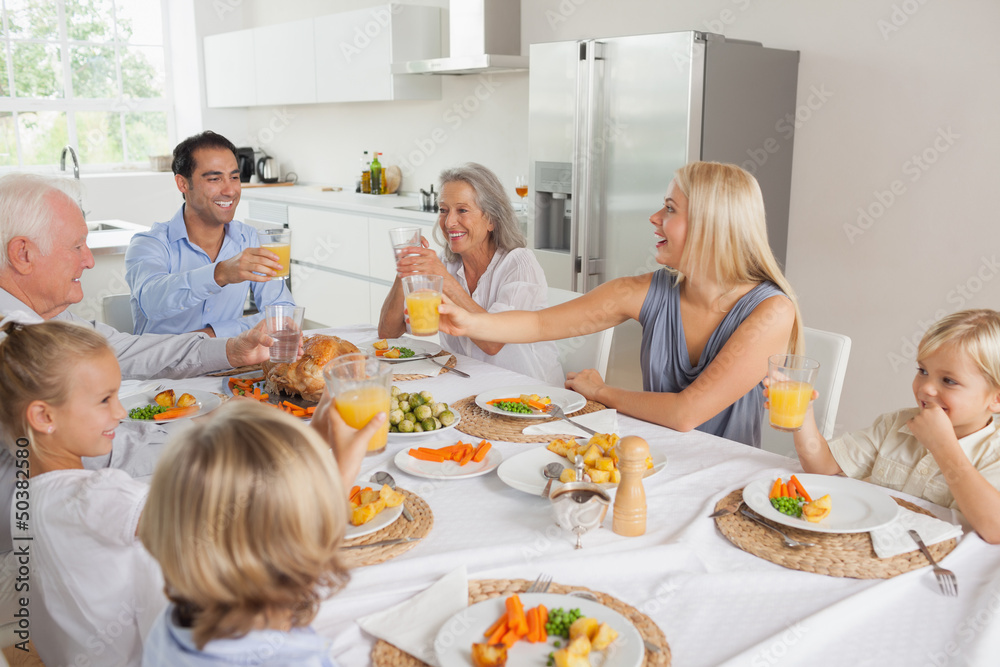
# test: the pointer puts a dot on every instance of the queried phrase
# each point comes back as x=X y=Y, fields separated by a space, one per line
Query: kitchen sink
x=418 y=208
x=102 y=227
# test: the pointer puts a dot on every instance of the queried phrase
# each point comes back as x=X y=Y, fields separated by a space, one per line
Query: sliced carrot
x=516 y=399
x=466 y=455
x=493 y=628
x=784 y=490
x=310 y=410
x=174 y=413
x=543 y=619
x=423 y=455
x=509 y=639
x=498 y=634
x=538 y=405
x=801 y=489
x=775 y=489
x=355 y=493
x=515 y=615
x=481 y=451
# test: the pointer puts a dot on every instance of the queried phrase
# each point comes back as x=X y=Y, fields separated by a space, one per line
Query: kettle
x=268 y=170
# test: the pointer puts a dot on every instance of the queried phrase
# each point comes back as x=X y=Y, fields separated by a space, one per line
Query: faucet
x=76 y=163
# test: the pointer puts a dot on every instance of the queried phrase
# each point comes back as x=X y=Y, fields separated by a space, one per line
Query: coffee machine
x=247 y=164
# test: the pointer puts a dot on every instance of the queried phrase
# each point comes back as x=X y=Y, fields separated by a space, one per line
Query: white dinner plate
x=568 y=400
x=402 y=437
x=206 y=401
x=524 y=471
x=858 y=506
x=384 y=518
x=446 y=469
x=454 y=641
x=420 y=348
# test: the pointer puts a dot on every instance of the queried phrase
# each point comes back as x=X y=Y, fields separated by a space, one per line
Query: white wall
x=881 y=83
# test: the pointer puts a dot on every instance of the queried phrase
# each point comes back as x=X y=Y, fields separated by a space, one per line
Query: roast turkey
x=304 y=376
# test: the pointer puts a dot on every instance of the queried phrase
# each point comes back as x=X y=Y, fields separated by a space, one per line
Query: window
x=87 y=73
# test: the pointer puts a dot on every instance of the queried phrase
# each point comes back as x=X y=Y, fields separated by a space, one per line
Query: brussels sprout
x=404 y=405
x=406 y=426
x=438 y=409
x=402 y=396
x=393 y=429
x=447 y=417
x=426 y=395
x=395 y=391
x=416 y=399
x=393 y=404
x=418 y=428
x=428 y=424
x=437 y=423
x=412 y=417
x=395 y=416
x=422 y=412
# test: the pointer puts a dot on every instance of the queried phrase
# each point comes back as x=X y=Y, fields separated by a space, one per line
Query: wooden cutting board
x=393 y=178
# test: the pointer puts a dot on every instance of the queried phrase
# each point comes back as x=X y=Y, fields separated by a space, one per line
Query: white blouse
x=513 y=281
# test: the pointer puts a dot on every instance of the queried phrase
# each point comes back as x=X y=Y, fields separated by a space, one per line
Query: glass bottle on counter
x=366 y=174
x=376 y=176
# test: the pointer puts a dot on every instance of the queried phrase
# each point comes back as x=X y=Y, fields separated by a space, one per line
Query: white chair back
x=118 y=312
x=832 y=351
x=579 y=352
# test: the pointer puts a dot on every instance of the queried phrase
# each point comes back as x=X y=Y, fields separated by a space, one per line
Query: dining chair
x=579 y=352
x=118 y=312
x=832 y=351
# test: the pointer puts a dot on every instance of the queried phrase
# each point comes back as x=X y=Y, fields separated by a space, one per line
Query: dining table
x=715 y=603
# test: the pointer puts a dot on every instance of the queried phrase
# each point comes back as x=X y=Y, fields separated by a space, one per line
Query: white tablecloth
x=716 y=604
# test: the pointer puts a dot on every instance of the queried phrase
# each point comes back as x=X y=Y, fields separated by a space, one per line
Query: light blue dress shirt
x=173 y=282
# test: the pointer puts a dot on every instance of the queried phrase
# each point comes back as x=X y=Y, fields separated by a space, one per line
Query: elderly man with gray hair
x=43 y=253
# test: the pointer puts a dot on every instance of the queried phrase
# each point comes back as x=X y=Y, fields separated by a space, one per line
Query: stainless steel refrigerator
x=610 y=120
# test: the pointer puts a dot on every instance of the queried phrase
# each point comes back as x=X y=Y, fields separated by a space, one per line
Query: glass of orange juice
x=361 y=386
x=791 y=388
x=423 y=296
x=278 y=241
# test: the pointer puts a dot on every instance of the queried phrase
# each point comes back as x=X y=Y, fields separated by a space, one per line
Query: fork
x=541 y=584
x=558 y=413
x=789 y=542
x=945 y=578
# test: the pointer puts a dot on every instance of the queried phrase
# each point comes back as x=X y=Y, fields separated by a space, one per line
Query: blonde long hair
x=727 y=231
x=245 y=515
x=974 y=332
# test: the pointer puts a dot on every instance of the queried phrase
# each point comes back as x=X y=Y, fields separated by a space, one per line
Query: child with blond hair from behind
x=245 y=515
x=947 y=448
x=92 y=591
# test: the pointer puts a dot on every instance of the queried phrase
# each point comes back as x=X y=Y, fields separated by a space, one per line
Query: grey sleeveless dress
x=667 y=367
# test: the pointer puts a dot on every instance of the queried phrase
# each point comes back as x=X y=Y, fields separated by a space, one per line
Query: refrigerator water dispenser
x=553 y=201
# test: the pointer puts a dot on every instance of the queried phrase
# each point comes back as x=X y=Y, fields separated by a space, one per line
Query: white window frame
x=69 y=104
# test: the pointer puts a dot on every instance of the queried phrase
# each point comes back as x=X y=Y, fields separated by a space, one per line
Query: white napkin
x=412 y=625
x=892 y=539
x=418 y=367
x=602 y=421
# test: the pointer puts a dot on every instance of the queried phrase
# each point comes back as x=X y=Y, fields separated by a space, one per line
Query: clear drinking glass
x=791 y=387
x=284 y=325
x=403 y=238
x=278 y=241
x=423 y=296
x=361 y=386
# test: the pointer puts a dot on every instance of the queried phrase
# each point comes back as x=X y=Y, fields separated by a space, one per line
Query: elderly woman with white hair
x=486 y=267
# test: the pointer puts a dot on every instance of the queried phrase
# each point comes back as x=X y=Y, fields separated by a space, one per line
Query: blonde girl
x=711 y=317
x=947 y=448
x=94 y=591
x=244 y=519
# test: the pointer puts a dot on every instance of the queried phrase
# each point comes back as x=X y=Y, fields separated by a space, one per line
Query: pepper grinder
x=630 y=500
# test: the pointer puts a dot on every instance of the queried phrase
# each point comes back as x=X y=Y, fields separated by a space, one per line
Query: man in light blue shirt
x=193 y=273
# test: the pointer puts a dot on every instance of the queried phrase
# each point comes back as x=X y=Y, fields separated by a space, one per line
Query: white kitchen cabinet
x=329 y=239
x=355 y=51
x=229 y=82
x=331 y=299
x=285 y=63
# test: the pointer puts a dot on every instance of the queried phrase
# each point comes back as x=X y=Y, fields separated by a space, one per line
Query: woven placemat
x=481 y=424
x=385 y=654
x=403 y=377
x=423 y=520
x=836 y=555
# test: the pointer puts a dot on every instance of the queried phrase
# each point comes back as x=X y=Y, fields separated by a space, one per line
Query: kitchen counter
x=111 y=237
x=315 y=196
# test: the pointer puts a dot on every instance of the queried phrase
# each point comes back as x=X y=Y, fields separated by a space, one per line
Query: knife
x=384 y=543
x=448 y=368
x=402 y=359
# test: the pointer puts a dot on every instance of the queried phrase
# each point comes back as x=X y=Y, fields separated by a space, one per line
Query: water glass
x=284 y=324
x=403 y=238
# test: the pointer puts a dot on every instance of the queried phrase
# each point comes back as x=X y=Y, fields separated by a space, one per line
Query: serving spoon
x=551 y=471
x=383 y=477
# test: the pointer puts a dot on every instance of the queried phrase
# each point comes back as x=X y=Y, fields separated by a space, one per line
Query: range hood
x=484 y=37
